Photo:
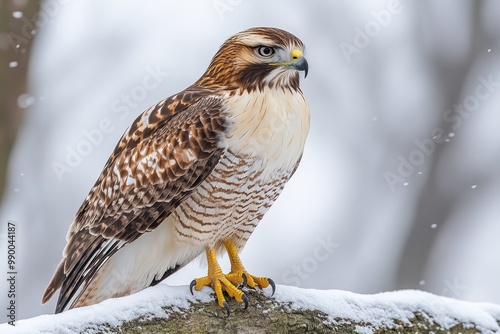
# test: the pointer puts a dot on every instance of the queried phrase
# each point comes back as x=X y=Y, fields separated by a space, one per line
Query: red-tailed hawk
x=194 y=173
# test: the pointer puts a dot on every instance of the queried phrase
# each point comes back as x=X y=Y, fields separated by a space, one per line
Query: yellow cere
x=296 y=54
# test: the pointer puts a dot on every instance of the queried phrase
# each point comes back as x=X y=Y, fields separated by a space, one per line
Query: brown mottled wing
x=149 y=174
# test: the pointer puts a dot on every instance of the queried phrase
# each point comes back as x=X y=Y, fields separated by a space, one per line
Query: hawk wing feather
x=155 y=166
x=99 y=251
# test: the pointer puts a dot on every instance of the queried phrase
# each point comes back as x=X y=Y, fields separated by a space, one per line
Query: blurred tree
x=435 y=206
x=18 y=21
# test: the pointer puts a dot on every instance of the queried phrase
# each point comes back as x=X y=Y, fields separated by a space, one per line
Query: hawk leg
x=228 y=283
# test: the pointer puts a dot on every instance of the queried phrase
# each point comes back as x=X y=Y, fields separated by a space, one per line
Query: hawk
x=194 y=173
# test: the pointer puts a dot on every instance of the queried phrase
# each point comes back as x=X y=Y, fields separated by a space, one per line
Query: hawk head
x=257 y=58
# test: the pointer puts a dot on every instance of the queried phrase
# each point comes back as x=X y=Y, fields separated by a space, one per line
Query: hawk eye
x=265 y=51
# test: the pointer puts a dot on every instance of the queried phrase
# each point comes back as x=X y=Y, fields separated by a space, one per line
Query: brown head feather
x=236 y=67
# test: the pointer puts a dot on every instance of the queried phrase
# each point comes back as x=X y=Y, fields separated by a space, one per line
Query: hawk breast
x=269 y=125
x=264 y=141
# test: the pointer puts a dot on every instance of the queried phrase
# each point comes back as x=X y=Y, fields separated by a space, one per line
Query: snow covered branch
x=165 y=309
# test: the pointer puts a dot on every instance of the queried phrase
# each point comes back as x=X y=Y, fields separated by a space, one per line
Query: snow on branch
x=165 y=309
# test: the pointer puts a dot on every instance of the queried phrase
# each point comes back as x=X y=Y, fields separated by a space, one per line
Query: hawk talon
x=244 y=280
x=245 y=300
x=273 y=286
x=229 y=285
x=191 y=286
x=223 y=285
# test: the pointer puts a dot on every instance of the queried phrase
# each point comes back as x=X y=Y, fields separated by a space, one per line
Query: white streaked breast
x=269 y=125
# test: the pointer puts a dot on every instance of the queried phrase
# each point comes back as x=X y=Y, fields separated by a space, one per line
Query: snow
x=147 y=303
x=17 y=14
x=383 y=308
x=374 y=310
x=25 y=100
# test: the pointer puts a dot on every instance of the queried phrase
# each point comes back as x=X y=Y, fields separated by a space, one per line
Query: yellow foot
x=238 y=273
x=244 y=278
x=219 y=282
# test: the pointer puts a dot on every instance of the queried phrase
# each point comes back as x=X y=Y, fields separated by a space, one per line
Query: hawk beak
x=301 y=65
x=299 y=62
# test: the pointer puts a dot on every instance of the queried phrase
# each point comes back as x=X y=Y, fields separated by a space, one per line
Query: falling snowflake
x=25 y=100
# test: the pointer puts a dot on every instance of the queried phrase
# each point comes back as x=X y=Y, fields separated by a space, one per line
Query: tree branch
x=164 y=309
